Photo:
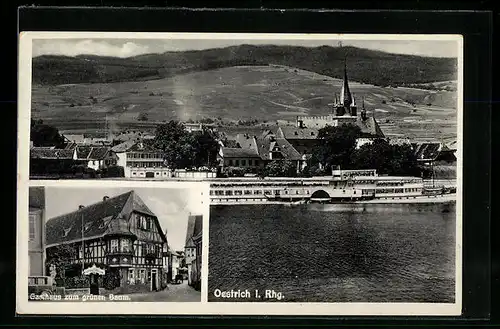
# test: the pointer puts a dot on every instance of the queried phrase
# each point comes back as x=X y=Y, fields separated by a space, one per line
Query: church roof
x=370 y=126
x=96 y=220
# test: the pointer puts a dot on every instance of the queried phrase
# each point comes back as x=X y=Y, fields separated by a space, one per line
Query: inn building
x=120 y=234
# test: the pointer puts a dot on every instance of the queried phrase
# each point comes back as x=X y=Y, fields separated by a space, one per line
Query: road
x=173 y=293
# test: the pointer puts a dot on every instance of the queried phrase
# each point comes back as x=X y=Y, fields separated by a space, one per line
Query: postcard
x=240 y=174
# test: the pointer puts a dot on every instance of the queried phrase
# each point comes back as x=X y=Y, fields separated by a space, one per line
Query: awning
x=94 y=270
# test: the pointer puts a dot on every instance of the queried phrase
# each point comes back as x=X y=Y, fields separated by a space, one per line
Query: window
x=125 y=245
x=142 y=275
x=32 y=226
x=229 y=192
x=257 y=192
x=238 y=192
x=87 y=226
x=138 y=221
x=148 y=224
x=248 y=192
x=250 y=162
x=236 y=163
x=131 y=276
x=243 y=162
x=230 y=162
x=114 y=245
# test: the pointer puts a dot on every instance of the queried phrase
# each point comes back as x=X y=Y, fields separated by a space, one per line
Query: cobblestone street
x=173 y=293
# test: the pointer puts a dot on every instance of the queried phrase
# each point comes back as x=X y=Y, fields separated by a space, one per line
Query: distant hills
x=366 y=66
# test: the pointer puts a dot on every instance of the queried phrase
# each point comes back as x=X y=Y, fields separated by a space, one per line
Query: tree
x=177 y=144
x=386 y=158
x=281 y=168
x=45 y=135
x=206 y=148
x=338 y=145
x=60 y=256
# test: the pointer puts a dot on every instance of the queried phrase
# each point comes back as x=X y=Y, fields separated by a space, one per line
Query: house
x=120 y=234
x=141 y=160
x=96 y=157
x=49 y=160
x=196 y=263
x=256 y=151
x=36 y=238
x=192 y=249
x=175 y=262
x=431 y=152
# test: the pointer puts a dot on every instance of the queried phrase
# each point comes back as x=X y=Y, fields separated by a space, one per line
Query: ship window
x=229 y=192
x=248 y=192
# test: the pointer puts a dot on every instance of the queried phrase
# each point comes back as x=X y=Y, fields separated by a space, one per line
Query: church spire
x=346 y=97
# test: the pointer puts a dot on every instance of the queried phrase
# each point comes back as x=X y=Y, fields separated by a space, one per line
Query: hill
x=367 y=66
x=264 y=93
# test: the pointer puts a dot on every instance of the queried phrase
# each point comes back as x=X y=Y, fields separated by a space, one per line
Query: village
x=114 y=248
x=208 y=152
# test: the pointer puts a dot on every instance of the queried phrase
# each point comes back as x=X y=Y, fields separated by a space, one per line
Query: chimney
x=81 y=206
x=104 y=198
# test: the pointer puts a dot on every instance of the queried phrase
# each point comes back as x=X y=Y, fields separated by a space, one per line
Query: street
x=173 y=293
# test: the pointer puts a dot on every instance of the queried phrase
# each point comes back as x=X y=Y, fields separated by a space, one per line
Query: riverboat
x=343 y=186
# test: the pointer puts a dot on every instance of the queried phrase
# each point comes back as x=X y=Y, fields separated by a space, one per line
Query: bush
x=77 y=282
x=113 y=171
x=111 y=279
x=235 y=171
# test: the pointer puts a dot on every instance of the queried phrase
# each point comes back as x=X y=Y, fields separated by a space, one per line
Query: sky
x=132 y=47
x=172 y=206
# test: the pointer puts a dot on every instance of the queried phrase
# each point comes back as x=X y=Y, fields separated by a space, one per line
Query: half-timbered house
x=120 y=234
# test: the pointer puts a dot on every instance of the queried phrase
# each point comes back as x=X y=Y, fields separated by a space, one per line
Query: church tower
x=346 y=105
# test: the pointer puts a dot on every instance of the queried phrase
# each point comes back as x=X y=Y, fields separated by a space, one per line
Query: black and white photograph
x=332 y=164
x=114 y=244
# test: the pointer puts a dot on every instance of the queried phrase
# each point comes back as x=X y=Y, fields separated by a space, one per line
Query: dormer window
x=87 y=226
x=66 y=231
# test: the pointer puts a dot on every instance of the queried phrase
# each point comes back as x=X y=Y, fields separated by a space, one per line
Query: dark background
x=475 y=26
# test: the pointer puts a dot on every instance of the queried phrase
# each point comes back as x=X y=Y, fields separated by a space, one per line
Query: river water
x=315 y=253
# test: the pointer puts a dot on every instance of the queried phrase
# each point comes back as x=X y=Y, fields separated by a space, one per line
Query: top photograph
x=225 y=107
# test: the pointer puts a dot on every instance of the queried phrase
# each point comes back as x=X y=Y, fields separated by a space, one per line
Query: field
x=264 y=93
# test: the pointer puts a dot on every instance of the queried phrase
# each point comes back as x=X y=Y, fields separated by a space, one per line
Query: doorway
x=154 y=280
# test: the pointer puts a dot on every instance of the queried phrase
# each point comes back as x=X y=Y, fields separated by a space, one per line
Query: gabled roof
x=50 y=153
x=194 y=227
x=268 y=144
x=97 y=219
x=92 y=152
x=370 y=127
x=231 y=143
x=297 y=133
x=427 y=151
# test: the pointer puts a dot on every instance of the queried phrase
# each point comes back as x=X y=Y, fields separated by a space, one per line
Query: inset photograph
x=332 y=253
x=114 y=244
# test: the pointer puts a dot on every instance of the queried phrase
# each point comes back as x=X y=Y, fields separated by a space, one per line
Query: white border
x=205 y=308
